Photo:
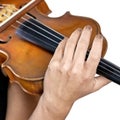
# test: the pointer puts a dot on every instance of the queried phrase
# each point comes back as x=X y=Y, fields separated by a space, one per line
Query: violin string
x=101 y=61
x=58 y=43
x=35 y=24
x=113 y=73
x=52 y=40
x=35 y=37
x=113 y=68
x=105 y=68
x=47 y=43
x=32 y=23
x=103 y=64
x=36 y=31
x=41 y=27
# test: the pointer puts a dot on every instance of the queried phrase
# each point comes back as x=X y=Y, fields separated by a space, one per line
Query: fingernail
x=88 y=27
x=79 y=29
x=99 y=36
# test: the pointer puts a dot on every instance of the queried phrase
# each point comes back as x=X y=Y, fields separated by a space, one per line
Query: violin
x=29 y=37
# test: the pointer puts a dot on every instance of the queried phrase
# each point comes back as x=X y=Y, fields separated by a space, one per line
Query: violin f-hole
x=7 y=40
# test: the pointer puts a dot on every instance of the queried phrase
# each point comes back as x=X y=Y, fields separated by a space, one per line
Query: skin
x=67 y=71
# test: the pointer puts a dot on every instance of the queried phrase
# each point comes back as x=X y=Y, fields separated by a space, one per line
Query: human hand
x=69 y=77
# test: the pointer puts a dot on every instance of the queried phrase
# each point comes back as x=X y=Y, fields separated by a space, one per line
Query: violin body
x=25 y=63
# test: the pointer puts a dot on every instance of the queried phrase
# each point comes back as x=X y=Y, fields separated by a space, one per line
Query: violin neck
x=109 y=70
x=49 y=39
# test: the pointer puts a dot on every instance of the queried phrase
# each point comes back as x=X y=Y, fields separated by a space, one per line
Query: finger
x=71 y=45
x=95 y=53
x=100 y=82
x=59 y=51
x=82 y=45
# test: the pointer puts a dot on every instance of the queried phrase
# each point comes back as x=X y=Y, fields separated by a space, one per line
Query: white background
x=105 y=103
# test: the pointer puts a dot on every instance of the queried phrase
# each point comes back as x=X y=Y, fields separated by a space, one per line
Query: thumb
x=100 y=82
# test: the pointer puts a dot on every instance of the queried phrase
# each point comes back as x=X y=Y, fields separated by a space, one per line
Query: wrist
x=50 y=109
x=57 y=110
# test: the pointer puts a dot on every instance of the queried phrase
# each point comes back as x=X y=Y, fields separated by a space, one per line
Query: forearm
x=20 y=104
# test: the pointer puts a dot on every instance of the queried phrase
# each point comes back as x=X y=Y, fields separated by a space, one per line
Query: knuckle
x=64 y=68
x=75 y=72
x=53 y=65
